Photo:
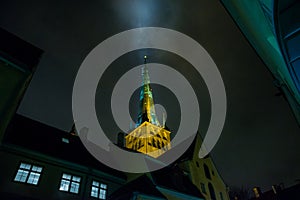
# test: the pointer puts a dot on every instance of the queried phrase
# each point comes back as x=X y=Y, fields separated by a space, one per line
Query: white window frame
x=28 y=173
x=70 y=183
x=98 y=190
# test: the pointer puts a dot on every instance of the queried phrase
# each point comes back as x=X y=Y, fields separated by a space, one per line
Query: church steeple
x=147 y=108
x=148 y=137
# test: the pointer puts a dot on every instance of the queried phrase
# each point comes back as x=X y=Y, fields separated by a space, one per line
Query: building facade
x=204 y=174
x=42 y=162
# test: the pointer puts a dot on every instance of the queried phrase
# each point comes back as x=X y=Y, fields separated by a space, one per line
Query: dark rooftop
x=142 y=185
x=171 y=177
x=25 y=55
x=36 y=136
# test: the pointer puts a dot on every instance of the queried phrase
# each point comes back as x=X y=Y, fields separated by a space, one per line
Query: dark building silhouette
x=18 y=61
x=60 y=156
x=278 y=193
x=42 y=162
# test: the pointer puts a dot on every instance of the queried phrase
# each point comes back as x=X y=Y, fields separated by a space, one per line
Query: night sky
x=259 y=145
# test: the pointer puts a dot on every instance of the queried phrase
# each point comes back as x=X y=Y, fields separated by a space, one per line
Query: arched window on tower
x=211 y=191
x=159 y=144
x=153 y=142
x=206 y=171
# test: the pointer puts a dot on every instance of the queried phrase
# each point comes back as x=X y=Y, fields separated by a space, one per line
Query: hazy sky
x=259 y=145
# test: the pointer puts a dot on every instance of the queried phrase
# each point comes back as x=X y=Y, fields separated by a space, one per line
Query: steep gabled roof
x=142 y=185
x=171 y=178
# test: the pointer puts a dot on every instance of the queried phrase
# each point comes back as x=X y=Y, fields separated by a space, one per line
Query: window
x=70 y=183
x=203 y=189
x=206 y=171
x=99 y=190
x=28 y=173
x=221 y=196
x=211 y=191
x=65 y=140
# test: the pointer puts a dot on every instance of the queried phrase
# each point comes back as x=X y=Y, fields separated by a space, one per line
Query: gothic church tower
x=148 y=137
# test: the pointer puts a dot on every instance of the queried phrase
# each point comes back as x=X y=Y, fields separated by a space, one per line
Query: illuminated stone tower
x=148 y=137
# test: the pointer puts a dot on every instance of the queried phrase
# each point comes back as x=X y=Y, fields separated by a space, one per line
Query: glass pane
x=36 y=168
x=65 y=140
x=95 y=183
x=102 y=194
x=74 y=187
x=76 y=178
x=104 y=186
x=94 y=192
x=25 y=166
x=21 y=175
x=67 y=176
x=33 y=178
x=64 y=185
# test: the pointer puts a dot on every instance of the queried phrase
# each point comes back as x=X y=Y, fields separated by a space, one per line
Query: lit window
x=99 y=190
x=70 y=183
x=28 y=173
x=65 y=140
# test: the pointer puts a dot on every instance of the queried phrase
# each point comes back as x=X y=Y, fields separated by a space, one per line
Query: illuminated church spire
x=148 y=137
x=147 y=108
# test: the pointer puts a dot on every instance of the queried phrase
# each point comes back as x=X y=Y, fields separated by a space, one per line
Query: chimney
x=73 y=130
x=276 y=189
x=257 y=192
